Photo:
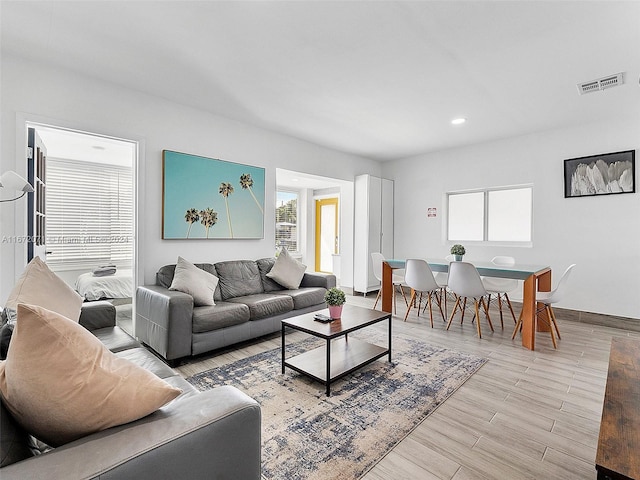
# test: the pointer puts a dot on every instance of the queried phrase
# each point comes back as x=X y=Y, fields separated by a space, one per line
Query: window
x=491 y=215
x=89 y=214
x=287 y=220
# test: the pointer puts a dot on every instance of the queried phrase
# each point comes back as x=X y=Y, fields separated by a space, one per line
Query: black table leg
x=328 y=378
x=282 y=348
x=389 y=339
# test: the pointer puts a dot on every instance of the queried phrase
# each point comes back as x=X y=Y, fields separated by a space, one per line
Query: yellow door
x=326 y=233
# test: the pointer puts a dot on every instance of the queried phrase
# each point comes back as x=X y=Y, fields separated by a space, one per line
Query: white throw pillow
x=194 y=281
x=287 y=271
x=61 y=383
x=40 y=286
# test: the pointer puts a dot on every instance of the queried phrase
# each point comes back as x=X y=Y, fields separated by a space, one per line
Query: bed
x=118 y=285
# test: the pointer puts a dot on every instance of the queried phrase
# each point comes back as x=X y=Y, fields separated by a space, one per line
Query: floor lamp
x=11 y=180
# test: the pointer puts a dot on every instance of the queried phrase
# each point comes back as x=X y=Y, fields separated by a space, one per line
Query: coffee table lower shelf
x=346 y=356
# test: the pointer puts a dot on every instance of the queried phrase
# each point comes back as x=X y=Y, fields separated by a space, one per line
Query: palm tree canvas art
x=215 y=198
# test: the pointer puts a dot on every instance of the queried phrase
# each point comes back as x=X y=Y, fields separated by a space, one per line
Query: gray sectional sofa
x=213 y=434
x=248 y=304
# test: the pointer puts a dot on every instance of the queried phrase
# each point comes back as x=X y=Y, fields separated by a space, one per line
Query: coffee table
x=341 y=355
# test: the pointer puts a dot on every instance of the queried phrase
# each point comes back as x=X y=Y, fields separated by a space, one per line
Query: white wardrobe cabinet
x=373 y=225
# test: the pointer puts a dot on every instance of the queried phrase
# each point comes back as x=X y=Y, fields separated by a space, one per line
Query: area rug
x=308 y=436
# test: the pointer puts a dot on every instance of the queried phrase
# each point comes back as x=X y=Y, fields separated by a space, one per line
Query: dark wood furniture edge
x=619 y=438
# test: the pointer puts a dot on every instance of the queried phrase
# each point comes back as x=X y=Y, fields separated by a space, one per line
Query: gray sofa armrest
x=213 y=435
x=315 y=279
x=95 y=315
x=164 y=320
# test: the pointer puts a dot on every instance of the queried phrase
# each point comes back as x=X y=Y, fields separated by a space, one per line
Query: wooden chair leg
x=555 y=323
x=453 y=312
x=430 y=311
x=411 y=302
x=486 y=312
x=439 y=301
x=443 y=295
x=553 y=337
x=518 y=325
x=377 y=298
x=475 y=304
x=404 y=295
x=500 y=309
x=394 y=300
x=510 y=307
x=464 y=307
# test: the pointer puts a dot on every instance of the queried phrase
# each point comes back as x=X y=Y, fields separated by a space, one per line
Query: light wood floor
x=524 y=415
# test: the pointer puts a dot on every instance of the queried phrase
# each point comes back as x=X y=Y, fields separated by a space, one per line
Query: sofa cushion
x=194 y=281
x=165 y=275
x=147 y=360
x=40 y=286
x=287 y=271
x=60 y=383
x=305 y=297
x=221 y=315
x=238 y=278
x=265 y=304
x=14 y=440
x=115 y=339
x=5 y=337
x=264 y=266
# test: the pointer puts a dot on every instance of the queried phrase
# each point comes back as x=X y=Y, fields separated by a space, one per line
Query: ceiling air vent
x=601 y=83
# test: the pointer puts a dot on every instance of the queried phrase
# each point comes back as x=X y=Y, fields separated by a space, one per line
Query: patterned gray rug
x=306 y=435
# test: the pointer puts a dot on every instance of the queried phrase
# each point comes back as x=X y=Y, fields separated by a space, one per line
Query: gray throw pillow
x=194 y=281
x=287 y=271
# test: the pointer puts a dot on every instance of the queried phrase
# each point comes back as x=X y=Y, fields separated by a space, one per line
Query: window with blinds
x=89 y=214
x=287 y=220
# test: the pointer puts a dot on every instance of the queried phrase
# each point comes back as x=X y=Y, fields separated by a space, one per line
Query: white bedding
x=119 y=285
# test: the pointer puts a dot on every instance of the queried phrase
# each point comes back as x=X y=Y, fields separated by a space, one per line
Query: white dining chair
x=419 y=278
x=500 y=287
x=397 y=280
x=441 y=279
x=464 y=281
x=547 y=299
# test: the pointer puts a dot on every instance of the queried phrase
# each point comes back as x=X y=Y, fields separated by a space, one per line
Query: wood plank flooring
x=524 y=415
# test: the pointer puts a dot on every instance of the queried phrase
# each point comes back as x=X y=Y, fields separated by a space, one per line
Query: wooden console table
x=618 y=454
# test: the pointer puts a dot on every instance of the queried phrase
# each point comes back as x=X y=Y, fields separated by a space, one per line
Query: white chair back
x=556 y=295
x=502 y=260
x=377 y=258
x=464 y=280
x=419 y=276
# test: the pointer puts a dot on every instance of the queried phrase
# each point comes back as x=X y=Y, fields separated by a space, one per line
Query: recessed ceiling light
x=98 y=147
x=458 y=121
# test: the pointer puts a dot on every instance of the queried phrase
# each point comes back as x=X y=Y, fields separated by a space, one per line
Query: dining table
x=537 y=278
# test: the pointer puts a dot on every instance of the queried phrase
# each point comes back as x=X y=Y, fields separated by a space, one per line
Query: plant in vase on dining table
x=335 y=298
x=458 y=251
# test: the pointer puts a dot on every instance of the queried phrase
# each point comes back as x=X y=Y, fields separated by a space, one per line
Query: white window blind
x=89 y=214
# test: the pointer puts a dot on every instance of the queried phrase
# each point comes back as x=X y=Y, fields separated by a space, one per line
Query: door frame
x=23 y=121
x=319 y=203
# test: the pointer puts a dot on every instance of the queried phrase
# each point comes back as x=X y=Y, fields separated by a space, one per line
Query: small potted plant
x=458 y=251
x=335 y=299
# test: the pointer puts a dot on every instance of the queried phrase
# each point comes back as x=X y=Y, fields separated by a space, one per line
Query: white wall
x=42 y=94
x=601 y=234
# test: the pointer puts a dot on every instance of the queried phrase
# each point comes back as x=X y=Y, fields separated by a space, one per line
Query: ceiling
x=380 y=79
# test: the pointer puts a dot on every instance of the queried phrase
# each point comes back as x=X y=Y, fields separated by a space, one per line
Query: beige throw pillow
x=287 y=271
x=61 y=383
x=196 y=282
x=40 y=286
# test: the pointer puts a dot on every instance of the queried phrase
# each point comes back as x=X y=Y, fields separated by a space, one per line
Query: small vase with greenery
x=458 y=251
x=335 y=299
